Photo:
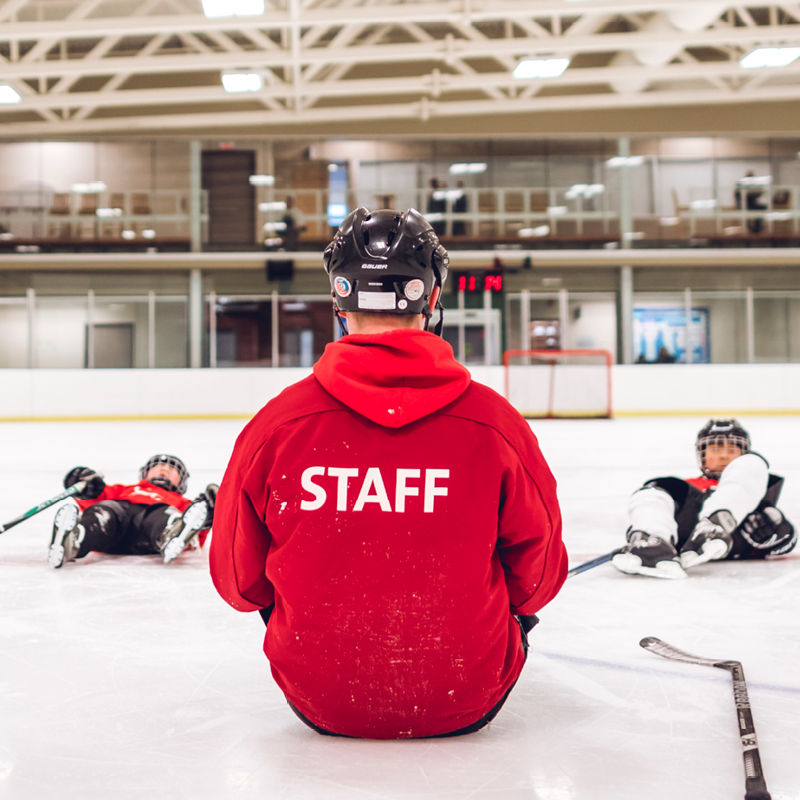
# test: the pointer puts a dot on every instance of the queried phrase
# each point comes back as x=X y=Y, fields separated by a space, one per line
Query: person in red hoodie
x=394 y=522
x=729 y=512
x=148 y=517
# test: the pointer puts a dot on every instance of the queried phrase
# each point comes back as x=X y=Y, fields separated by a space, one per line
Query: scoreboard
x=478 y=282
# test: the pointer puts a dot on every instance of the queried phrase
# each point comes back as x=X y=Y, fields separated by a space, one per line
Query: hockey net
x=559 y=383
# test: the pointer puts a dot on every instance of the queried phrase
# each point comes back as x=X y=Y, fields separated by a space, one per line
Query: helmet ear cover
x=385 y=262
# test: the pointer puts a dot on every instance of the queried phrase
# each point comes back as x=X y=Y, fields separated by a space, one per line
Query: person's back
x=397 y=515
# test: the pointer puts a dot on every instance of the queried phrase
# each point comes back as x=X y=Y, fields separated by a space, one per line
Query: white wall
x=638 y=389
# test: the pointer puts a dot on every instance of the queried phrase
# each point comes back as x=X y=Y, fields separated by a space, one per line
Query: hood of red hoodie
x=392 y=378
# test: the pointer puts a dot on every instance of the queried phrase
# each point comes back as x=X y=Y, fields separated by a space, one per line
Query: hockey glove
x=94 y=487
x=210 y=497
x=767 y=530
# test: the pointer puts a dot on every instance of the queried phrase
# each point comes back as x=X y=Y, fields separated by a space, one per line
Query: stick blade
x=666 y=650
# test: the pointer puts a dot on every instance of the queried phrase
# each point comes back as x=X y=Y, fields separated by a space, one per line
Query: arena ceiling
x=105 y=67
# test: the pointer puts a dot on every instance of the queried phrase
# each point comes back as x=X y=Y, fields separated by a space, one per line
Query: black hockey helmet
x=716 y=432
x=161 y=480
x=385 y=262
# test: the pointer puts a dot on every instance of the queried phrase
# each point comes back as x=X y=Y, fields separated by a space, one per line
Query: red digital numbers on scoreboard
x=479 y=282
x=493 y=283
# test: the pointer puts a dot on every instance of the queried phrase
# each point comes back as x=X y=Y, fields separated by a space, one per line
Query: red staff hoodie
x=397 y=514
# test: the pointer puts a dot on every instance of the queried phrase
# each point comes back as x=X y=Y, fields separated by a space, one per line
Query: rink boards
x=138 y=394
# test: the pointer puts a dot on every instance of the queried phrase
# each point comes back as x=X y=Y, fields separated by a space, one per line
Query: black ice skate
x=67 y=536
x=710 y=540
x=648 y=555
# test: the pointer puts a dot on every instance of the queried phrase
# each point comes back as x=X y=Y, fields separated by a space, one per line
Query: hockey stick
x=76 y=488
x=592 y=563
x=755 y=785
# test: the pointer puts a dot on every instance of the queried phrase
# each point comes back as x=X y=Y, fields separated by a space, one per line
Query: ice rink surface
x=122 y=678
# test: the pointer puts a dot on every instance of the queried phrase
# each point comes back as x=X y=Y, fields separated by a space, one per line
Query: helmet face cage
x=161 y=480
x=722 y=434
x=385 y=262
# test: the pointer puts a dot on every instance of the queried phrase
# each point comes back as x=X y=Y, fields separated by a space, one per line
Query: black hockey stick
x=76 y=488
x=755 y=785
x=592 y=563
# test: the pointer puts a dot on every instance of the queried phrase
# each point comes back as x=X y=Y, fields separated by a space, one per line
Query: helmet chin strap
x=341 y=320
x=440 y=324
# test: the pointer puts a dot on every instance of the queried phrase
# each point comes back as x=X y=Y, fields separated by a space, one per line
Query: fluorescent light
x=93 y=187
x=8 y=95
x=770 y=57
x=274 y=226
x=584 y=190
x=625 y=161
x=697 y=205
x=148 y=233
x=234 y=82
x=277 y=205
x=262 y=180
x=474 y=168
x=127 y=235
x=333 y=167
x=556 y=211
x=233 y=8
x=539 y=230
x=540 y=68
x=109 y=212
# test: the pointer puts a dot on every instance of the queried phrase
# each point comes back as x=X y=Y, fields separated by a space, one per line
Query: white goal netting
x=559 y=383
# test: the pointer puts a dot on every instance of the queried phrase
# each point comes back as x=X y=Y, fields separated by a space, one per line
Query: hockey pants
x=123 y=528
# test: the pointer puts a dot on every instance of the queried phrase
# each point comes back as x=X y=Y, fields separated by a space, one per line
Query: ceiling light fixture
x=770 y=57
x=8 y=95
x=233 y=8
x=625 y=161
x=540 y=68
x=475 y=168
x=241 y=82
x=262 y=180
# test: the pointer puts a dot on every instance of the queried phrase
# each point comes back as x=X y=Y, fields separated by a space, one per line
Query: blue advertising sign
x=659 y=335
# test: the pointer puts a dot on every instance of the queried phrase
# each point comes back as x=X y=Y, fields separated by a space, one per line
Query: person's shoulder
x=484 y=406
x=298 y=400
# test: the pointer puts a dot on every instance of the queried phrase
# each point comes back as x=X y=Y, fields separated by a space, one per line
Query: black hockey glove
x=767 y=530
x=94 y=487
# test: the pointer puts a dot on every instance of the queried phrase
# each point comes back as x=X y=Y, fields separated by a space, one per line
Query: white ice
x=122 y=678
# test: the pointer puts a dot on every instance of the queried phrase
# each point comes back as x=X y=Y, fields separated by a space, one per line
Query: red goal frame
x=552 y=357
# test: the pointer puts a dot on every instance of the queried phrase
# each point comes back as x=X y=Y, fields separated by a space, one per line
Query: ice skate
x=709 y=542
x=67 y=535
x=648 y=555
x=180 y=533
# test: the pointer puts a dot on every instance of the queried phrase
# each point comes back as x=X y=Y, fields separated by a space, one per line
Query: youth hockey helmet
x=720 y=432
x=163 y=481
x=385 y=262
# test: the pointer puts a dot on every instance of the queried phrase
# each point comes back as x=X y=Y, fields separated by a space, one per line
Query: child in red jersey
x=729 y=512
x=137 y=519
x=394 y=521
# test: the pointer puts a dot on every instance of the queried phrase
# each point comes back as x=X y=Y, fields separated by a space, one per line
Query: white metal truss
x=96 y=66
